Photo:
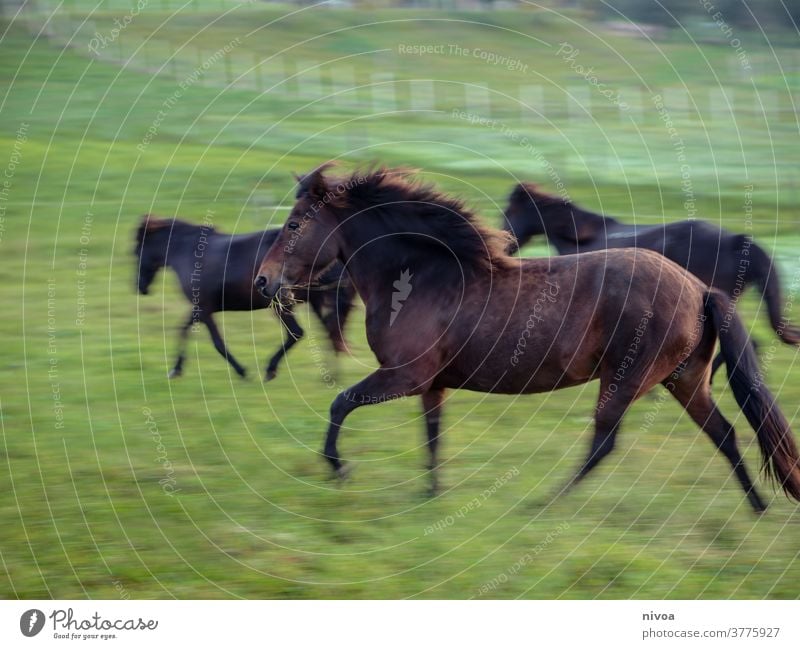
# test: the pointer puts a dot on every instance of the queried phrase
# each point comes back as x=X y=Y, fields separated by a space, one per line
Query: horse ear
x=151 y=222
x=313 y=184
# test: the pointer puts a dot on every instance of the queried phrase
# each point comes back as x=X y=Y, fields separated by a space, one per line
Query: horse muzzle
x=268 y=289
x=273 y=291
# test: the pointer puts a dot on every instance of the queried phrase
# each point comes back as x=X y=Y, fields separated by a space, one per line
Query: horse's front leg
x=432 y=408
x=183 y=332
x=294 y=332
x=219 y=344
x=382 y=385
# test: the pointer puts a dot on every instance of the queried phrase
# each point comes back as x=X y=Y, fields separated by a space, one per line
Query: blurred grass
x=254 y=515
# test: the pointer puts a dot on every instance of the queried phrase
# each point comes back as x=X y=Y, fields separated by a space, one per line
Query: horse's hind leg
x=432 y=407
x=219 y=345
x=183 y=332
x=696 y=399
x=294 y=332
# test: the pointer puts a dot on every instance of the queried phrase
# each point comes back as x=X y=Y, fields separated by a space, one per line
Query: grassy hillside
x=157 y=120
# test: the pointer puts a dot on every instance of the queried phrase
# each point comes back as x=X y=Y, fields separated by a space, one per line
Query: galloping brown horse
x=448 y=308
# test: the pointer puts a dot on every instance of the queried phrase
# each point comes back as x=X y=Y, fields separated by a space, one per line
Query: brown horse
x=448 y=308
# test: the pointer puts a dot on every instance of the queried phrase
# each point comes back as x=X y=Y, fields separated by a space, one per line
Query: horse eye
x=293 y=225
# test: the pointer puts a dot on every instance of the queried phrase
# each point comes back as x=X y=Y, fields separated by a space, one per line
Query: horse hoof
x=343 y=473
x=271 y=374
x=541 y=503
x=242 y=373
x=174 y=373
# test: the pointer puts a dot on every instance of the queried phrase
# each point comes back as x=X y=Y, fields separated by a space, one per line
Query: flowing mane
x=151 y=223
x=531 y=192
x=395 y=200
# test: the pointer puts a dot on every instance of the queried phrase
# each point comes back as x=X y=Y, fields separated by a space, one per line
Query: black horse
x=723 y=260
x=216 y=273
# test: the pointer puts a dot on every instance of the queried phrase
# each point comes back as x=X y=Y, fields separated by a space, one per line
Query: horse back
x=705 y=250
x=218 y=273
x=553 y=323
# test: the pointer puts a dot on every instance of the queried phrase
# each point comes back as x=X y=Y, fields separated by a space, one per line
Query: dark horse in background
x=216 y=273
x=475 y=318
x=723 y=260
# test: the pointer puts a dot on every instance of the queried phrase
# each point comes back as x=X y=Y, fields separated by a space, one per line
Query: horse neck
x=581 y=215
x=573 y=217
x=179 y=249
x=375 y=265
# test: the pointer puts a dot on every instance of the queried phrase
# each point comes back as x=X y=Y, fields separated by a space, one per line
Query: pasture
x=120 y=483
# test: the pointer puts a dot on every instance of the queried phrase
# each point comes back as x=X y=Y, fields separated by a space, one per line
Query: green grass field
x=120 y=483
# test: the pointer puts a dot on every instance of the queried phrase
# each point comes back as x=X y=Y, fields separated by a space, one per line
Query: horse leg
x=612 y=405
x=294 y=332
x=432 y=406
x=697 y=401
x=332 y=313
x=382 y=385
x=183 y=332
x=219 y=345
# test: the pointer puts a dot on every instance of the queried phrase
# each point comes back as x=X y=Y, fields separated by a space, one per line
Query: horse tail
x=764 y=274
x=778 y=449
